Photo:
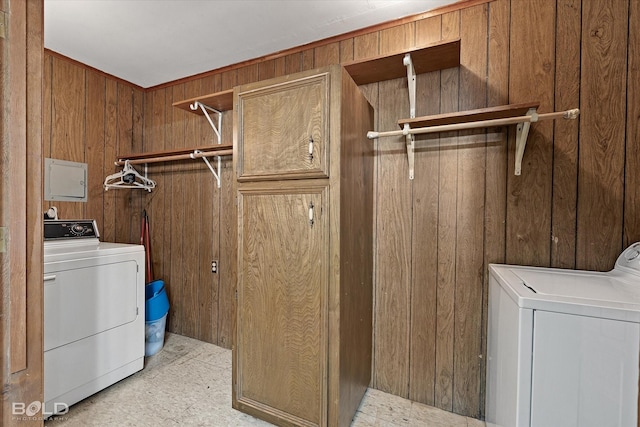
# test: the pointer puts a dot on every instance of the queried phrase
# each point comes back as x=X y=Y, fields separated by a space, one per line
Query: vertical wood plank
x=162 y=220
x=175 y=285
x=393 y=279
x=67 y=123
x=293 y=63
x=602 y=134
x=470 y=222
x=94 y=148
x=398 y=38
x=137 y=197
x=565 y=141
x=266 y=70
x=190 y=276
x=156 y=200
x=632 y=178
x=279 y=68
x=110 y=145
x=447 y=224
x=327 y=54
x=366 y=45
x=531 y=78
x=125 y=145
x=247 y=74
x=210 y=233
x=424 y=261
x=306 y=60
x=346 y=51
x=496 y=169
x=228 y=80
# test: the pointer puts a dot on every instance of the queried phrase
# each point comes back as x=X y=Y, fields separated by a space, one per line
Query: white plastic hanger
x=129 y=178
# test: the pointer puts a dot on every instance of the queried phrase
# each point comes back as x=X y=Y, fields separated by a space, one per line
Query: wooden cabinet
x=302 y=354
x=277 y=139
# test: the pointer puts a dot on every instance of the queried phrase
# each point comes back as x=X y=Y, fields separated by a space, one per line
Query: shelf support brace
x=411 y=142
x=217 y=129
x=409 y=138
x=522 y=132
x=216 y=175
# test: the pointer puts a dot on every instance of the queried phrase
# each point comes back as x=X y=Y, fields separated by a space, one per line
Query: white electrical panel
x=65 y=180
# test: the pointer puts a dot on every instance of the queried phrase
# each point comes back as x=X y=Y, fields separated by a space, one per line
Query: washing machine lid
x=614 y=295
x=601 y=287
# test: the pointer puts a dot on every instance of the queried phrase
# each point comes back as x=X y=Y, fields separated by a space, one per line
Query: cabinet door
x=282 y=129
x=281 y=341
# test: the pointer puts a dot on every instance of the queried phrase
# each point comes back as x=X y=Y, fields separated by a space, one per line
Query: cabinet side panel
x=356 y=249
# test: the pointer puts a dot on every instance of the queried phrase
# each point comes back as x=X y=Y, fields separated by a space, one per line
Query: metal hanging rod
x=529 y=118
x=196 y=154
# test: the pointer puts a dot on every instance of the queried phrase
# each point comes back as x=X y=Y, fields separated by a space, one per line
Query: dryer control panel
x=70 y=229
x=630 y=258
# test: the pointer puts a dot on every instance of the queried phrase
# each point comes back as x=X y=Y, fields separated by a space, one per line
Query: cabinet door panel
x=283 y=130
x=281 y=318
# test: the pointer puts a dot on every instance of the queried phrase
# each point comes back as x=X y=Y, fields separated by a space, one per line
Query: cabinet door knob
x=310 y=148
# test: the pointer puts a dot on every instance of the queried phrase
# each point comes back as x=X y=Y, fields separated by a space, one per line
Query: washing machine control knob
x=77 y=229
x=633 y=254
x=630 y=258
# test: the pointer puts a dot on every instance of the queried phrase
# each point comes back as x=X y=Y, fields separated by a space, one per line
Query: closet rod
x=177 y=157
x=569 y=114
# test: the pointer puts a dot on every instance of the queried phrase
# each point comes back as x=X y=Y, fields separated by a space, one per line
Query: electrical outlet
x=214 y=266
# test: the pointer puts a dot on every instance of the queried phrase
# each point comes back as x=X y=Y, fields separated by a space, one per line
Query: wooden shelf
x=491 y=113
x=437 y=56
x=221 y=101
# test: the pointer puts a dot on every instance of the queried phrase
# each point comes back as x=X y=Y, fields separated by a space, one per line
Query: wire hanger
x=129 y=178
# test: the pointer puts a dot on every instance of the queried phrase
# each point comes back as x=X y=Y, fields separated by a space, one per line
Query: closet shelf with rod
x=521 y=115
x=211 y=107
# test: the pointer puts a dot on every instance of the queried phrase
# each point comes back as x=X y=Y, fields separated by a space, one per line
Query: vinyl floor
x=188 y=383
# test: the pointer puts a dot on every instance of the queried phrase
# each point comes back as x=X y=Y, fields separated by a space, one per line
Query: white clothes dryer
x=93 y=312
x=563 y=345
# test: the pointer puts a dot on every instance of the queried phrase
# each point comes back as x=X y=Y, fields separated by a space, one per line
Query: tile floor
x=188 y=383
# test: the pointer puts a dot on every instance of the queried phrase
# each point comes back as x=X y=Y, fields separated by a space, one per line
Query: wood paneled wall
x=574 y=206
x=90 y=118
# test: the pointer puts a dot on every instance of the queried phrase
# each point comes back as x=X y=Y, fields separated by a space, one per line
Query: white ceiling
x=150 y=42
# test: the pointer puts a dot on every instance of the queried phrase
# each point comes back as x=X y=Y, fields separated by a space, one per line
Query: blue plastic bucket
x=156 y=301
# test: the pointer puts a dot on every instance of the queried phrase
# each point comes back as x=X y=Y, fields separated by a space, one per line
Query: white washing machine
x=563 y=345
x=93 y=312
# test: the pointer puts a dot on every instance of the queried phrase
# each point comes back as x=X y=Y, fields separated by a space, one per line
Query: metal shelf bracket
x=410 y=139
x=217 y=128
x=216 y=174
x=522 y=132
